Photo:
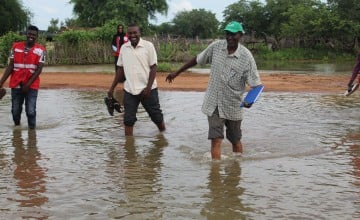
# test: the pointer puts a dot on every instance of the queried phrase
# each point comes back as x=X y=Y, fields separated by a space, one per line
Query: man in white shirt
x=138 y=64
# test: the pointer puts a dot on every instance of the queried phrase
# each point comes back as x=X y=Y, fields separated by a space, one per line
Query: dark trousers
x=151 y=105
x=115 y=63
x=17 y=101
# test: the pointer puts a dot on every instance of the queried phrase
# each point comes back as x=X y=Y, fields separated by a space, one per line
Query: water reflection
x=323 y=68
x=31 y=186
x=225 y=192
x=327 y=68
x=354 y=152
x=301 y=161
x=141 y=170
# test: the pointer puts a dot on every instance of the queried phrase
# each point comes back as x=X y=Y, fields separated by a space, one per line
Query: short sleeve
x=205 y=57
x=152 y=54
x=253 y=78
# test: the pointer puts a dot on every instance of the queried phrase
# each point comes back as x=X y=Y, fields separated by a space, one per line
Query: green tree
x=165 y=28
x=13 y=17
x=348 y=9
x=277 y=16
x=6 y=42
x=95 y=13
x=251 y=14
x=348 y=12
x=314 y=23
x=196 y=23
x=71 y=22
x=305 y=23
x=53 y=26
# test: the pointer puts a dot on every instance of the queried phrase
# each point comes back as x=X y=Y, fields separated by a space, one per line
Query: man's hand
x=2 y=92
x=110 y=93
x=247 y=105
x=145 y=93
x=25 y=88
x=171 y=77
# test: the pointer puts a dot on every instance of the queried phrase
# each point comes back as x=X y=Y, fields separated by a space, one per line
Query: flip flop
x=110 y=105
x=117 y=105
x=2 y=92
x=352 y=89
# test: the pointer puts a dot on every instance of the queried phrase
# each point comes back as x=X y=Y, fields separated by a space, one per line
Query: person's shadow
x=30 y=176
x=224 y=192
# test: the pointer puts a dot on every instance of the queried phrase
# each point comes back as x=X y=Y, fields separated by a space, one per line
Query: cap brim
x=232 y=31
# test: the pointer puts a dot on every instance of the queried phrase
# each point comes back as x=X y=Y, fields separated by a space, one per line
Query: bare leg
x=161 y=126
x=237 y=147
x=129 y=130
x=216 y=148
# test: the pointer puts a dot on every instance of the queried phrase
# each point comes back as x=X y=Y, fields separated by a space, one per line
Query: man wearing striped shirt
x=232 y=68
x=26 y=62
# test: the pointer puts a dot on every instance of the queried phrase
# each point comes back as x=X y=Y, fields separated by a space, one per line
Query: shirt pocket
x=236 y=80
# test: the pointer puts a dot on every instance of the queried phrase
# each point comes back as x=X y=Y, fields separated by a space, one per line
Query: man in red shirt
x=26 y=62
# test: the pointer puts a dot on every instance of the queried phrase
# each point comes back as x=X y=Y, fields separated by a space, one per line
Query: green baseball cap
x=234 y=27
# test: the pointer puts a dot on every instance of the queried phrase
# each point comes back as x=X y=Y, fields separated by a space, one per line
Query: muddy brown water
x=301 y=161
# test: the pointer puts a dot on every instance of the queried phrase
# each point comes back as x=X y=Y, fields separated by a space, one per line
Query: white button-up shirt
x=136 y=63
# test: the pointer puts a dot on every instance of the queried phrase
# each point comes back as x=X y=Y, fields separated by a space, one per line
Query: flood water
x=321 y=68
x=301 y=160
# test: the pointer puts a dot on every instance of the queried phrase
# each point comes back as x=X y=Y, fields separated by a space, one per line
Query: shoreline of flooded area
x=318 y=68
x=301 y=160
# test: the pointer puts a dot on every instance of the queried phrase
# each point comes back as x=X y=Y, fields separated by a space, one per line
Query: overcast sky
x=45 y=10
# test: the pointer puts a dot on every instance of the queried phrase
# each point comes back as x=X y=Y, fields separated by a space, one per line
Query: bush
x=167 y=67
x=324 y=54
x=106 y=32
x=75 y=37
x=6 y=42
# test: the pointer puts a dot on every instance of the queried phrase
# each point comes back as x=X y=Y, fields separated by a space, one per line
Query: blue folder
x=252 y=95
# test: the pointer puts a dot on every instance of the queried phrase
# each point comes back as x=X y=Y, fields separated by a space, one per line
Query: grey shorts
x=216 y=128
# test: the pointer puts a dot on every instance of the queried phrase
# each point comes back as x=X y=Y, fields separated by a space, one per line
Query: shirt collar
x=236 y=53
x=140 y=44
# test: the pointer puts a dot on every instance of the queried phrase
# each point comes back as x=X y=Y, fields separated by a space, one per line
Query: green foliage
x=308 y=23
x=75 y=37
x=297 y=24
x=250 y=13
x=104 y=33
x=195 y=49
x=318 y=53
x=97 y=13
x=80 y=47
x=13 y=17
x=53 y=28
x=166 y=67
x=108 y=30
x=86 y=52
x=83 y=46
x=178 y=51
x=275 y=10
x=168 y=51
x=347 y=9
x=196 y=23
x=164 y=29
x=6 y=42
x=72 y=23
